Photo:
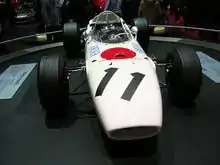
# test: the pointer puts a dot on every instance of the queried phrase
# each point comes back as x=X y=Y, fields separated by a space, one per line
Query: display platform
x=29 y=136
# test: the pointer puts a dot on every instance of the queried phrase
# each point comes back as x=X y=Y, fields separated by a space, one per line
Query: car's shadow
x=132 y=152
x=62 y=120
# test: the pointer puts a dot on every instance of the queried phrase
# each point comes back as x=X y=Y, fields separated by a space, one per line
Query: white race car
x=122 y=77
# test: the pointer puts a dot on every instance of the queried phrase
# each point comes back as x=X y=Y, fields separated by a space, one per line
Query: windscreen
x=106 y=17
x=108 y=28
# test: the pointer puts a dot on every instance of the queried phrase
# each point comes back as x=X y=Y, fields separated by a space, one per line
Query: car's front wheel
x=183 y=75
x=53 y=90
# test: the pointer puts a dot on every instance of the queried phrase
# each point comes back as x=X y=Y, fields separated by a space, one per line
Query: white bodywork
x=129 y=102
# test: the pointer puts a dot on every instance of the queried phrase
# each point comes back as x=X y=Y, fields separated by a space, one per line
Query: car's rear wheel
x=143 y=36
x=71 y=41
x=183 y=75
x=53 y=90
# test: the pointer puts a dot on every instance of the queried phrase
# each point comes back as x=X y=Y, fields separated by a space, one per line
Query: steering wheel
x=109 y=35
x=119 y=34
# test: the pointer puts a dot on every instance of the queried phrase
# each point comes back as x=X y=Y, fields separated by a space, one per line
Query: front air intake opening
x=134 y=133
x=119 y=55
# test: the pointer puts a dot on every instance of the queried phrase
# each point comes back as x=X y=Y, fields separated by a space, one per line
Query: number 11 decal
x=129 y=91
x=109 y=74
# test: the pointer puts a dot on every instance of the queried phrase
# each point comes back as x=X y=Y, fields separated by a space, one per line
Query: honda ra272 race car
x=121 y=76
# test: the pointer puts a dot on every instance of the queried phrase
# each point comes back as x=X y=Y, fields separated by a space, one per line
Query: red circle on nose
x=117 y=53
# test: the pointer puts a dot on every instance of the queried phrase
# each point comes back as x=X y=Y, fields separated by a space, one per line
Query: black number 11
x=129 y=91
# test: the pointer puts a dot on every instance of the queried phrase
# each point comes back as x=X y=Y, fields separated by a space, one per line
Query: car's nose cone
x=127 y=98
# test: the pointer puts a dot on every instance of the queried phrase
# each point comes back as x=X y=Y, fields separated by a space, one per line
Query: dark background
x=190 y=136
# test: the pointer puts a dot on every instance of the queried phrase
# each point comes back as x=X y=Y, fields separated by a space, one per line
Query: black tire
x=143 y=36
x=53 y=91
x=71 y=41
x=184 y=76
